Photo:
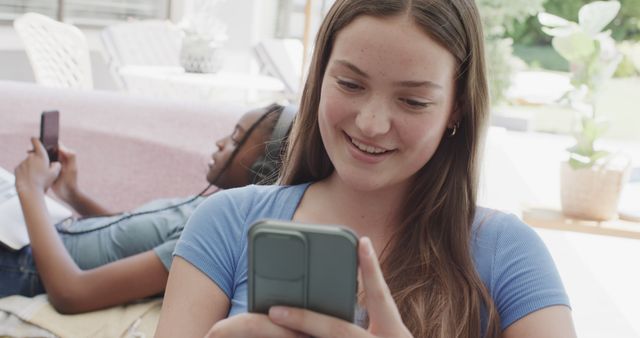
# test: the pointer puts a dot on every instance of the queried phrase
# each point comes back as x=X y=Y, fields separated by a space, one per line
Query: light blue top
x=129 y=233
x=511 y=259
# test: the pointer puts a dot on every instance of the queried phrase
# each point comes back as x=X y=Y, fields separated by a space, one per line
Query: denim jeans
x=18 y=274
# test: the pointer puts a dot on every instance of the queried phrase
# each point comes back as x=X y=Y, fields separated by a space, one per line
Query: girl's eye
x=348 y=86
x=415 y=104
x=236 y=137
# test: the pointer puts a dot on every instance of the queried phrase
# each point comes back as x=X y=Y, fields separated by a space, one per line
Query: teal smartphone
x=307 y=266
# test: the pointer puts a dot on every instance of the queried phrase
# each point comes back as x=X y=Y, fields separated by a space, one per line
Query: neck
x=368 y=213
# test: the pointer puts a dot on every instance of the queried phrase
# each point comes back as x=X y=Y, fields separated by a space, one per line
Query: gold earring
x=453 y=131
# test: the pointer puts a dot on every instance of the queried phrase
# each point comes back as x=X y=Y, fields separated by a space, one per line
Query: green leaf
x=601 y=127
x=598 y=155
x=595 y=16
x=589 y=128
x=583 y=146
x=575 y=149
x=579 y=162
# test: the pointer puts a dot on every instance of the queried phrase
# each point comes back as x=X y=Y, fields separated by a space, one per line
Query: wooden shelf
x=554 y=219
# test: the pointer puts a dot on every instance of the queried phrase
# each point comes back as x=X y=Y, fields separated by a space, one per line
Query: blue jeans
x=18 y=274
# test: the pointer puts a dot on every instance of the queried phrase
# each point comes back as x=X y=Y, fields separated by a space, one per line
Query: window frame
x=6 y=18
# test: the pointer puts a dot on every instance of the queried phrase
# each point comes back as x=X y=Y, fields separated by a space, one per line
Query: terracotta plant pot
x=591 y=193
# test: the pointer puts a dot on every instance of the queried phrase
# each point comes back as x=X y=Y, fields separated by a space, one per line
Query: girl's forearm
x=86 y=206
x=59 y=273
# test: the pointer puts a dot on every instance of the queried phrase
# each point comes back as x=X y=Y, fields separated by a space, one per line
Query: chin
x=363 y=183
x=368 y=181
x=209 y=178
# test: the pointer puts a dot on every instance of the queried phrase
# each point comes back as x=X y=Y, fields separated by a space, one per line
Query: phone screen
x=49 y=132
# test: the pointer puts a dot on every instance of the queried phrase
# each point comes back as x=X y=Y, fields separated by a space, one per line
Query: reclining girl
x=103 y=259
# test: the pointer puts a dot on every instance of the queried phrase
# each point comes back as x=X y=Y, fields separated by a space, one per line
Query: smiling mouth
x=370 y=150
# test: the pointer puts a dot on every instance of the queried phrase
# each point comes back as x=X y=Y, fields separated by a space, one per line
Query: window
x=87 y=12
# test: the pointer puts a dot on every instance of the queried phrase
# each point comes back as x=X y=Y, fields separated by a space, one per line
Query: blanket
x=35 y=317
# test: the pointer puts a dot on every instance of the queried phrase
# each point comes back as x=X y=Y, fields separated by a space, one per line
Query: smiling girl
x=387 y=143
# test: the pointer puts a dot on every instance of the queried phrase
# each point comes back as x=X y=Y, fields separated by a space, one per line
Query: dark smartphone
x=49 y=132
x=301 y=265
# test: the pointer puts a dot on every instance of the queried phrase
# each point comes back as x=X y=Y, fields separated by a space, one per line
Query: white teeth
x=367 y=148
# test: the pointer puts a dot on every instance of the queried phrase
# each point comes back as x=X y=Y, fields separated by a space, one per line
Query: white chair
x=58 y=52
x=282 y=58
x=146 y=43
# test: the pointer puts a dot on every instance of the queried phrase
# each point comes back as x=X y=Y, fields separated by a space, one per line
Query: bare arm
x=192 y=303
x=86 y=206
x=66 y=186
x=550 y=322
x=71 y=289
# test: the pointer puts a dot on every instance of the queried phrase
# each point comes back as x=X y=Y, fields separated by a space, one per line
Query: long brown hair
x=429 y=267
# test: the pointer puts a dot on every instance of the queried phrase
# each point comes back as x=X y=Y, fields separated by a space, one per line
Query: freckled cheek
x=333 y=109
x=423 y=140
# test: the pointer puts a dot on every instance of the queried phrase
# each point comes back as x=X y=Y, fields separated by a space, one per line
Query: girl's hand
x=35 y=172
x=384 y=318
x=249 y=325
x=66 y=185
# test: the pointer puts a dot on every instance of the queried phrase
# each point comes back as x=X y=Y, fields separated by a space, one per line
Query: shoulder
x=498 y=237
x=233 y=209
x=254 y=197
x=214 y=239
x=515 y=265
x=493 y=227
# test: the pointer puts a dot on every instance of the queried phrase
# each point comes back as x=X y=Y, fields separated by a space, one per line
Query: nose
x=221 y=142
x=373 y=120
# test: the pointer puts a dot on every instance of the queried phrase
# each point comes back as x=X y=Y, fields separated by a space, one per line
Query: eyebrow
x=410 y=84
x=353 y=68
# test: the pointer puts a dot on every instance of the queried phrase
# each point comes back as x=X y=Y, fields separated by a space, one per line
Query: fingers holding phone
x=249 y=325
x=66 y=185
x=66 y=156
x=384 y=317
x=36 y=172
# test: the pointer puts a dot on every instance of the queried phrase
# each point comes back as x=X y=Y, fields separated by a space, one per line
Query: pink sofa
x=130 y=149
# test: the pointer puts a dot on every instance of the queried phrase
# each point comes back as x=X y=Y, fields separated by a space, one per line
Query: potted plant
x=591 y=180
x=204 y=35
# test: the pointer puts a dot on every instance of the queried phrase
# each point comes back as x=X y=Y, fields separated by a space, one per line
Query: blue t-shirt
x=510 y=258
